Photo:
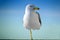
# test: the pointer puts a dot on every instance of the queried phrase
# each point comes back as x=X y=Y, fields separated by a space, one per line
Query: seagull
x=31 y=19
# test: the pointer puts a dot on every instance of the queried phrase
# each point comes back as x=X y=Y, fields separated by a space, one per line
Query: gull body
x=31 y=19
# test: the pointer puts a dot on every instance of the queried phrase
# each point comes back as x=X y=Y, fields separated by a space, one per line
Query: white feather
x=30 y=19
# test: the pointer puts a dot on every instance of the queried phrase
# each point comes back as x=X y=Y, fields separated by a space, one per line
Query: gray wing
x=39 y=17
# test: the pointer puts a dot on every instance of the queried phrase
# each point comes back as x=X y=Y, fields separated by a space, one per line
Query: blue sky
x=11 y=16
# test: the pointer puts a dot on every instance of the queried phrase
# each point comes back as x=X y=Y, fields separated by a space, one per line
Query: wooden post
x=31 y=38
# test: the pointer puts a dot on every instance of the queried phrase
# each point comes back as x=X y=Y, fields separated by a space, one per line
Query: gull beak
x=36 y=8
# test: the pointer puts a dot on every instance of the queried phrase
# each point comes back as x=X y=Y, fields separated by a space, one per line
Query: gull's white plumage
x=31 y=20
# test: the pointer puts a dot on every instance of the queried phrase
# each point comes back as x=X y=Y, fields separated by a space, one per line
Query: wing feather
x=39 y=17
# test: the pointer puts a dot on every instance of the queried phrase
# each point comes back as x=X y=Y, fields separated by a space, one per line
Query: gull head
x=31 y=7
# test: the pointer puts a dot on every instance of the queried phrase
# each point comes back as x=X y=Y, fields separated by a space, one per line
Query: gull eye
x=31 y=6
